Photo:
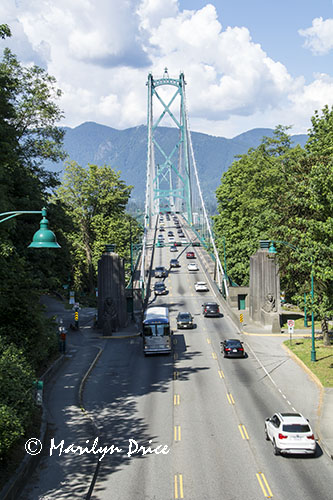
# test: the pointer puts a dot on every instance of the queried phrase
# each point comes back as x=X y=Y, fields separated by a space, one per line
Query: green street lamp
x=44 y=237
x=272 y=251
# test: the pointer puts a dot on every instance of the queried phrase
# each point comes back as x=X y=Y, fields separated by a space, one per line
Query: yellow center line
x=180 y=493
x=181 y=486
x=243 y=431
x=177 y=433
x=230 y=399
x=176 y=486
x=264 y=485
x=214 y=355
x=175 y=375
x=175 y=356
x=221 y=374
x=176 y=399
x=209 y=341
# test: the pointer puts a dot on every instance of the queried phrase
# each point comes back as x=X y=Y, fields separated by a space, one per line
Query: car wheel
x=266 y=435
x=276 y=449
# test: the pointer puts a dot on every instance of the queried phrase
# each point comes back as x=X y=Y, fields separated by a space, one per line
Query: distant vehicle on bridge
x=156 y=332
x=160 y=272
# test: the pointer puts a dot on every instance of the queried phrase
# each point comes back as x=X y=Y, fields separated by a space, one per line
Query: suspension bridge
x=172 y=183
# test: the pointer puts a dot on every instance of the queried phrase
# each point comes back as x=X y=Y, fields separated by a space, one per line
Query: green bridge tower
x=168 y=161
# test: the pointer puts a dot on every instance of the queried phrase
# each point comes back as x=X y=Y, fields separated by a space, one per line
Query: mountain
x=126 y=150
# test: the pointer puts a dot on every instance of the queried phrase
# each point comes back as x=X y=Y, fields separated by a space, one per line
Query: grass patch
x=323 y=367
x=299 y=323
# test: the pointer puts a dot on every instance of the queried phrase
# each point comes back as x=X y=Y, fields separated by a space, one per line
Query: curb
x=305 y=335
x=120 y=336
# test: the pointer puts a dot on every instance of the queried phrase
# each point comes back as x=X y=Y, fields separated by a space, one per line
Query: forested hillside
x=126 y=150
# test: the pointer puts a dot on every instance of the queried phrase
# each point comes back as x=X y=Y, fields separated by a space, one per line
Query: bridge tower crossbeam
x=168 y=179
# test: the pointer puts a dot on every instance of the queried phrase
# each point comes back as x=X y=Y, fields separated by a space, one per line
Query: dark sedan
x=232 y=348
x=211 y=309
x=184 y=320
x=160 y=288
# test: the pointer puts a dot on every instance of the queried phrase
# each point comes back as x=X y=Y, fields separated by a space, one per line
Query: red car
x=190 y=255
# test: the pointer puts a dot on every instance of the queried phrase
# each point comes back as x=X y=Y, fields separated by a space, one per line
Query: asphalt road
x=208 y=410
x=205 y=412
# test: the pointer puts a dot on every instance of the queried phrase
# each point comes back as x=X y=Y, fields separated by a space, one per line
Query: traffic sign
x=241 y=318
x=291 y=322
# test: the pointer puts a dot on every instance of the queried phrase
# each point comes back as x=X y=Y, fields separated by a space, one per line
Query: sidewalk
x=325 y=427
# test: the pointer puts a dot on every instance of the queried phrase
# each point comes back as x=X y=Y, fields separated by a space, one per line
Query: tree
x=320 y=141
x=283 y=193
x=33 y=97
x=16 y=395
x=247 y=202
x=28 y=135
x=95 y=198
x=4 y=31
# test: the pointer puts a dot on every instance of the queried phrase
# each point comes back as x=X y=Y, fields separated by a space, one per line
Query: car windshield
x=183 y=316
x=296 y=428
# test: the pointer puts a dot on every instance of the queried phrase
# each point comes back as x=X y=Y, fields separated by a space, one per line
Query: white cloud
x=100 y=52
x=151 y=12
x=227 y=72
x=319 y=38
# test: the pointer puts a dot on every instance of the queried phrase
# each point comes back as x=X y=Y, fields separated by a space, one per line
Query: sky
x=247 y=64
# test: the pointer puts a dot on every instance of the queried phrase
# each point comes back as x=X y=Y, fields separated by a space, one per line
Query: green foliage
x=246 y=203
x=95 y=199
x=16 y=380
x=320 y=135
x=28 y=135
x=284 y=194
x=33 y=98
x=11 y=429
x=24 y=324
x=5 y=31
x=16 y=395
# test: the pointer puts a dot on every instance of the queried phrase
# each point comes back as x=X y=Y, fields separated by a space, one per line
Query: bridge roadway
x=208 y=410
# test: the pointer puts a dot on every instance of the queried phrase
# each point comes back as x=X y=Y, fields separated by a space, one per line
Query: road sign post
x=291 y=324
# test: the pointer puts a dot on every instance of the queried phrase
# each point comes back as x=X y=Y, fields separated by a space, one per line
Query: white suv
x=290 y=433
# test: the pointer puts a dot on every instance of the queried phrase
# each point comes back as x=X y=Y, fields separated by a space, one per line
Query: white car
x=192 y=267
x=201 y=286
x=171 y=239
x=290 y=433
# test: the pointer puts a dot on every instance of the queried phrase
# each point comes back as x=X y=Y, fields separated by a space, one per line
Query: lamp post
x=44 y=237
x=272 y=251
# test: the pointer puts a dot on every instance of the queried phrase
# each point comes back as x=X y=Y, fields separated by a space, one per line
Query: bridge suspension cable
x=172 y=183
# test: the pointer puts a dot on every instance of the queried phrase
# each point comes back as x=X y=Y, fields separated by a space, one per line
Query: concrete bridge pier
x=112 y=313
